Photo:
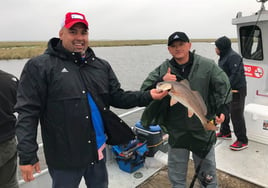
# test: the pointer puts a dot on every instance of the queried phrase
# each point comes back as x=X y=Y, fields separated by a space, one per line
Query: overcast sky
x=39 y=20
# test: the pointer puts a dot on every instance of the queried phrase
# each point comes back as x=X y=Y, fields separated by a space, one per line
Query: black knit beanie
x=223 y=43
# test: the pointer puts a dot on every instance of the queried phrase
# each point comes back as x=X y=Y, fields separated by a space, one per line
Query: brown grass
x=22 y=50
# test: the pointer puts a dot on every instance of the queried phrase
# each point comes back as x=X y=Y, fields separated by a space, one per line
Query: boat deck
x=250 y=165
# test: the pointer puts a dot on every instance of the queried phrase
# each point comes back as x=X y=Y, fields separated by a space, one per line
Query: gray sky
x=39 y=20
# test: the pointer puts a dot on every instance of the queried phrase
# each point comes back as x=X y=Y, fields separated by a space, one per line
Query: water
x=130 y=63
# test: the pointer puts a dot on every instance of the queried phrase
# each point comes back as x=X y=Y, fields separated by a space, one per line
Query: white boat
x=253 y=46
x=250 y=164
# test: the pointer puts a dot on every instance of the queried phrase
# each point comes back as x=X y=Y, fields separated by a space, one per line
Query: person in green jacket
x=186 y=134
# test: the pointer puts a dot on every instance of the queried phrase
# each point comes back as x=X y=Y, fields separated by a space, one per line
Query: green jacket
x=184 y=132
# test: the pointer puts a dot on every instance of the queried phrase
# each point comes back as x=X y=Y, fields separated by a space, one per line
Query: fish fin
x=185 y=83
x=190 y=113
x=210 y=126
x=201 y=102
x=173 y=101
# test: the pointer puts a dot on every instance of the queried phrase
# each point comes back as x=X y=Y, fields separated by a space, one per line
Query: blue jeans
x=178 y=165
x=95 y=176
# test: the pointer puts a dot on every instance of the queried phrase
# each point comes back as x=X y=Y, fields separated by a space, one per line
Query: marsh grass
x=22 y=50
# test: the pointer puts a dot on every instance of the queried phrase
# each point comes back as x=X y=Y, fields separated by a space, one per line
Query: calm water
x=130 y=63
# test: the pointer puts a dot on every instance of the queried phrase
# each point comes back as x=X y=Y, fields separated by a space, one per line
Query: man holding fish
x=198 y=94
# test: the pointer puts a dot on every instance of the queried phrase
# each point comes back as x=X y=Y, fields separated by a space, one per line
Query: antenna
x=262 y=3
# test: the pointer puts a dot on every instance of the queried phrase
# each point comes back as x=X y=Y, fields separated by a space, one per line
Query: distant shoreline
x=24 y=49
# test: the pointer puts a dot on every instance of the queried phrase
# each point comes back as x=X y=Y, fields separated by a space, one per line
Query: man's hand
x=169 y=77
x=157 y=94
x=28 y=170
x=219 y=119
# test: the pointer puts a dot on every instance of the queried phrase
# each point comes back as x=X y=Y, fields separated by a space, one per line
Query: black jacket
x=8 y=89
x=53 y=90
x=232 y=64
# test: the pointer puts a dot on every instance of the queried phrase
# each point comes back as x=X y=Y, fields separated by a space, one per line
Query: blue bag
x=130 y=157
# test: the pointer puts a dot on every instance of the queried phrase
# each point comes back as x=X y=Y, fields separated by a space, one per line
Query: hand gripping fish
x=181 y=92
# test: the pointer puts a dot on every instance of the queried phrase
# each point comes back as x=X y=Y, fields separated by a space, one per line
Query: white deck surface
x=250 y=164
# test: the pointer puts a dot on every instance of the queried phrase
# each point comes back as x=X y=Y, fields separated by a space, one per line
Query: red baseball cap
x=72 y=18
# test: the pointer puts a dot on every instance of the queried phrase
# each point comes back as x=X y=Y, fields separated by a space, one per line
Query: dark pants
x=95 y=176
x=237 y=116
x=8 y=164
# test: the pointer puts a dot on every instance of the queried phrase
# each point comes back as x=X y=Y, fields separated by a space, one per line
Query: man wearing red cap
x=70 y=91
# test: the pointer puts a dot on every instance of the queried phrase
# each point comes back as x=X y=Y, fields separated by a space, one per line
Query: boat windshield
x=251 y=42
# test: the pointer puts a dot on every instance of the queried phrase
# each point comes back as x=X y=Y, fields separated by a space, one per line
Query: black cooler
x=153 y=137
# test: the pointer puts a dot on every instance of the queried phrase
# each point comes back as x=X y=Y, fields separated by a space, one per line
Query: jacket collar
x=55 y=48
